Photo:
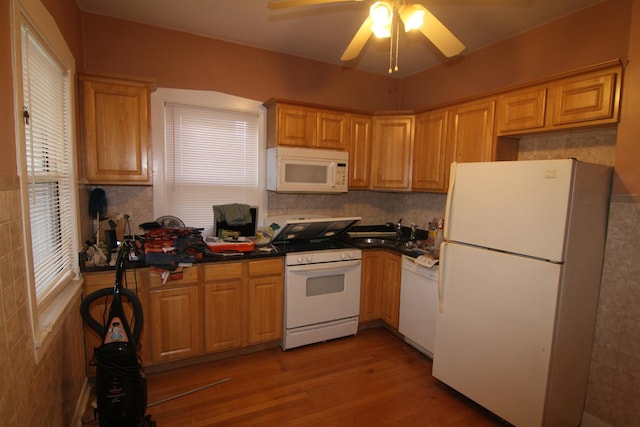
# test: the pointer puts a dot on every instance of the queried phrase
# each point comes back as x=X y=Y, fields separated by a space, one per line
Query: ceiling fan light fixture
x=381 y=14
x=412 y=16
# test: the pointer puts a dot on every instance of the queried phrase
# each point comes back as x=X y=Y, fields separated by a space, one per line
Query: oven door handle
x=324 y=266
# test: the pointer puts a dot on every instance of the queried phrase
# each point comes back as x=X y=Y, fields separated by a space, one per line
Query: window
x=44 y=76
x=210 y=154
x=48 y=167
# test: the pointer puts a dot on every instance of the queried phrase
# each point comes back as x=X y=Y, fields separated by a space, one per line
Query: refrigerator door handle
x=447 y=207
x=441 y=262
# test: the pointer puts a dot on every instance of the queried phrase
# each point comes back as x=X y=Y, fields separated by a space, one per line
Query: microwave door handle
x=332 y=171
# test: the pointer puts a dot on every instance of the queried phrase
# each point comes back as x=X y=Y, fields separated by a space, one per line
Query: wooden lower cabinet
x=372 y=267
x=100 y=280
x=224 y=307
x=214 y=307
x=243 y=303
x=380 y=287
x=265 y=305
x=175 y=323
x=390 y=289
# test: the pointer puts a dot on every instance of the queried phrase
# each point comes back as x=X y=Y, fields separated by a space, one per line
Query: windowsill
x=50 y=319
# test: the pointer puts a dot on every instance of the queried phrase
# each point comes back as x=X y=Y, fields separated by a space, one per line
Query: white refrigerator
x=519 y=282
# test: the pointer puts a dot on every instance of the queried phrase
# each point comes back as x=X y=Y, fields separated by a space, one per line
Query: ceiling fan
x=384 y=22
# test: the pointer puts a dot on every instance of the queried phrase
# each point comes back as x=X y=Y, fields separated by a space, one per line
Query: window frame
x=45 y=314
x=205 y=99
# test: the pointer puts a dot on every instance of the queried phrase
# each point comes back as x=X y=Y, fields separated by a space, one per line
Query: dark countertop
x=207 y=257
x=391 y=244
x=399 y=247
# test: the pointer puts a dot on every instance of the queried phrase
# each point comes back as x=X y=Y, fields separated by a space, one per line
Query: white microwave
x=307 y=170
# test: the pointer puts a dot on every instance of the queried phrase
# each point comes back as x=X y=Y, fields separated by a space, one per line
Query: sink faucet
x=399 y=229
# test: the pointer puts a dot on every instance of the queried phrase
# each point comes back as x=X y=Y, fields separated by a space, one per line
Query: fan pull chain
x=391 y=52
x=397 y=41
x=394 y=26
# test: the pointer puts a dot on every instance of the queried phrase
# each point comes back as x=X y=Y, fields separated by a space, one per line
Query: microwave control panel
x=341 y=174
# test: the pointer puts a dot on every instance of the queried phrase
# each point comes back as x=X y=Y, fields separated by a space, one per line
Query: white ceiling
x=323 y=32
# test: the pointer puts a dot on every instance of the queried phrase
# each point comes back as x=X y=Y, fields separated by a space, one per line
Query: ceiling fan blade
x=440 y=35
x=282 y=4
x=357 y=43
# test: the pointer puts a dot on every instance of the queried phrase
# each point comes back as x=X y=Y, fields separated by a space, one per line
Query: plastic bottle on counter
x=439 y=237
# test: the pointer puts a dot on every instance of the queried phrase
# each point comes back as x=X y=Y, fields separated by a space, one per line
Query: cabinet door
x=115 y=125
x=296 y=126
x=523 y=110
x=471 y=131
x=265 y=300
x=390 y=296
x=224 y=307
x=587 y=98
x=370 y=284
x=333 y=130
x=360 y=146
x=392 y=146
x=175 y=323
x=430 y=162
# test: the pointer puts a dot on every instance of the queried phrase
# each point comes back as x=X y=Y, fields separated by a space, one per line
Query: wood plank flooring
x=372 y=379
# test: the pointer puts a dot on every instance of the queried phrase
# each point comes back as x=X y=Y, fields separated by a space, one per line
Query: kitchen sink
x=375 y=241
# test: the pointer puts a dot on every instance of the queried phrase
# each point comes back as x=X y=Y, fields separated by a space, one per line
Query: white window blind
x=49 y=165
x=211 y=158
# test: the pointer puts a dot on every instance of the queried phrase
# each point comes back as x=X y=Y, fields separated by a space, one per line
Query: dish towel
x=233 y=214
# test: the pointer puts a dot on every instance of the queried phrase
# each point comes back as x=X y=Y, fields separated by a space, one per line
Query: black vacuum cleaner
x=121 y=388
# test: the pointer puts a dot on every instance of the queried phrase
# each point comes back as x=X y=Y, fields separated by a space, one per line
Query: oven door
x=317 y=293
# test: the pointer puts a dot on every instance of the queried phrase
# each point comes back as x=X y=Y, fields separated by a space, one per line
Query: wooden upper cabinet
x=471 y=134
x=115 y=130
x=292 y=126
x=360 y=147
x=591 y=98
x=391 y=155
x=523 y=110
x=586 y=98
x=333 y=130
x=430 y=154
x=300 y=126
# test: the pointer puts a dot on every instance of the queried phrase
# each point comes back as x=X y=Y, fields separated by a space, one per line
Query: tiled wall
x=373 y=206
x=43 y=394
x=614 y=384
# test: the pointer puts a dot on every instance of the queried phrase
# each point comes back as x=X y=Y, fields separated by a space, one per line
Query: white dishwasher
x=419 y=305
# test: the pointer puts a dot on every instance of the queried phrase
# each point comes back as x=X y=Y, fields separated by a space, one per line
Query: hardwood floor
x=372 y=379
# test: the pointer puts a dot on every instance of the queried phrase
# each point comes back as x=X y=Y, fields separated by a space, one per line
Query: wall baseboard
x=81 y=404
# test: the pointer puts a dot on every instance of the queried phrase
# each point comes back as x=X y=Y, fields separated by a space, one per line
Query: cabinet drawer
x=222 y=271
x=106 y=279
x=265 y=267
x=189 y=277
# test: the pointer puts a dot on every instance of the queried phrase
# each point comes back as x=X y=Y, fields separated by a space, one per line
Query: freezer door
x=495 y=328
x=518 y=207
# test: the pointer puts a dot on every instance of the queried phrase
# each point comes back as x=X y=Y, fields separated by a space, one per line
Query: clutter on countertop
x=168 y=250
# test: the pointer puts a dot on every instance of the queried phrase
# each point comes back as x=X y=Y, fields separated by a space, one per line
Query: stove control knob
x=344 y=255
x=300 y=259
x=309 y=258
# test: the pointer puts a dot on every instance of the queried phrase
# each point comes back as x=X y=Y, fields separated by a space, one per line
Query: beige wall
x=187 y=61
x=46 y=393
